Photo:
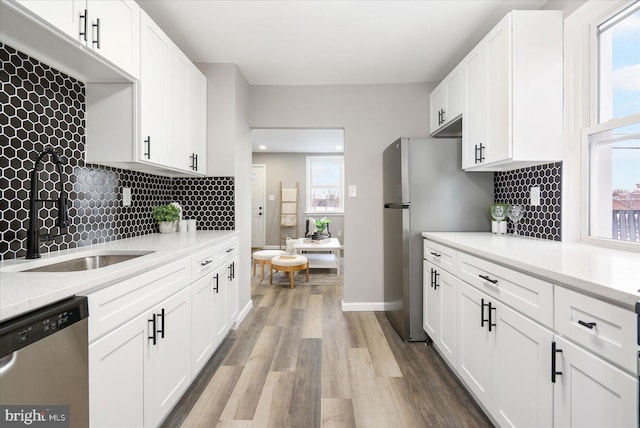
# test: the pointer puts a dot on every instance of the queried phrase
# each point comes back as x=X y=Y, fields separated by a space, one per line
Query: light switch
x=535 y=196
x=352 y=190
x=272 y=197
x=126 y=196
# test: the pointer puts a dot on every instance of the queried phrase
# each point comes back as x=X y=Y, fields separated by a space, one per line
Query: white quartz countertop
x=612 y=275
x=23 y=291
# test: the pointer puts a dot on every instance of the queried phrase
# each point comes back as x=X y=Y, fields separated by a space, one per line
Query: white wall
x=373 y=116
x=229 y=153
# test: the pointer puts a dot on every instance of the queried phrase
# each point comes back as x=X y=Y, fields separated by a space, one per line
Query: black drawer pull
x=486 y=278
x=207 y=262
x=435 y=254
x=589 y=325
x=152 y=321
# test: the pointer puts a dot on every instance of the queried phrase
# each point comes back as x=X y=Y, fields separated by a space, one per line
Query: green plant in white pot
x=166 y=216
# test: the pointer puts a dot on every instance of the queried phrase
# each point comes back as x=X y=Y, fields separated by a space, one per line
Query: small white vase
x=499 y=227
x=165 y=226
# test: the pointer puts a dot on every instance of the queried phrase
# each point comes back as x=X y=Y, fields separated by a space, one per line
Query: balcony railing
x=626 y=225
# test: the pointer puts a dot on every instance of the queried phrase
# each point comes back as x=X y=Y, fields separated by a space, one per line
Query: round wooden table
x=289 y=264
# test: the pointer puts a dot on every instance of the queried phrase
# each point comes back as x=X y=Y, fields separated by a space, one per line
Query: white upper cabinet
x=155 y=93
x=65 y=15
x=113 y=29
x=109 y=28
x=189 y=114
x=513 y=115
x=446 y=105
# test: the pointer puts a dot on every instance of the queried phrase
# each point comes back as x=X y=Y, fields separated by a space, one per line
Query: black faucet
x=33 y=232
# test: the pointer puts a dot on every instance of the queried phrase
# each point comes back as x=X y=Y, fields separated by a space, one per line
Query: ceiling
x=331 y=42
x=297 y=140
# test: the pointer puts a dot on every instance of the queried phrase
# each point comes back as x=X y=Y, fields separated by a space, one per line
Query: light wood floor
x=298 y=361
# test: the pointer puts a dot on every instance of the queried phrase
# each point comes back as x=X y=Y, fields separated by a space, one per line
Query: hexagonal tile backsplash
x=40 y=107
x=513 y=187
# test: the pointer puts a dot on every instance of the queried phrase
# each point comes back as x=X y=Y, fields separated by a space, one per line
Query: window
x=325 y=184
x=612 y=139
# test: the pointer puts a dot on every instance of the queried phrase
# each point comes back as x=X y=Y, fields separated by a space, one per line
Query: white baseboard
x=363 y=306
x=243 y=314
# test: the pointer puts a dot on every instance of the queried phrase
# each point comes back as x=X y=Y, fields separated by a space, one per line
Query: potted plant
x=321 y=226
x=166 y=216
x=498 y=215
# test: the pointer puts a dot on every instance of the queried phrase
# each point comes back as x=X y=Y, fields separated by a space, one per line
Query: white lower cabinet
x=202 y=322
x=440 y=296
x=504 y=358
x=169 y=356
x=589 y=392
x=141 y=369
x=118 y=369
x=533 y=354
x=221 y=325
x=232 y=289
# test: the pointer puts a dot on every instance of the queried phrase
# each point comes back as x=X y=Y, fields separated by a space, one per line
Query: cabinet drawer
x=115 y=305
x=204 y=262
x=440 y=255
x=227 y=250
x=613 y=334
x=530 y=296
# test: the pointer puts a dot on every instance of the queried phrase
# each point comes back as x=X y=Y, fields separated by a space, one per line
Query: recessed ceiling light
x=262 y=147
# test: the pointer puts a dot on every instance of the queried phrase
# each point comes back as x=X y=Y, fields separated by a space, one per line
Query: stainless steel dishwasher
x=44 y=365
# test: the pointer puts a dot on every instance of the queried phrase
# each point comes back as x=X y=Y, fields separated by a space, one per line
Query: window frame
x=582 y=115
x=309 y=161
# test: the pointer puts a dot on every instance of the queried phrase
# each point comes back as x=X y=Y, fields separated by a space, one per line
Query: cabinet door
x=202 y=322
x=498 y=100
x=522 y=370
x=474 y=128
x=155 y=93
x=436 y=105
x=170 y=356
x=198 y=117
x=448 y=298
x=475 y=344
x=62 y=14
x=117 y=37
x=117 y=372
x=182 y=147
x=431 y=316
x=220 y=310
x=591 y=392
x=232 y=292
x=454 y=94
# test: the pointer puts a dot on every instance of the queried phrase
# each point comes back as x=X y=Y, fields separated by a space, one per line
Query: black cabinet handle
x=486 y=278
x=492 y=309
x=554 y=372
x=589 y=325
x=434 y=254
x=205 y=263
x=153 y=329
x=482 y=147
x=148 y=152
x=436 y=275
x=196 y=162
x=482 y=318
x=230 y=276
x=217 y=277
x=443 y=116
x=161 y=331
x=233 y=270
x=96 y=42
x=84 y=17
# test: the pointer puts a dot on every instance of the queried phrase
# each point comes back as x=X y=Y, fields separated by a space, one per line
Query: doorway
x=258 y=194
x=285 y=153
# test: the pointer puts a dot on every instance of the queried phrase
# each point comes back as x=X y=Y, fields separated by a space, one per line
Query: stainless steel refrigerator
x=424 y=190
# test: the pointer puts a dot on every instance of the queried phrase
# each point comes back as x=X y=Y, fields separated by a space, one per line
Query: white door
x=258 y=185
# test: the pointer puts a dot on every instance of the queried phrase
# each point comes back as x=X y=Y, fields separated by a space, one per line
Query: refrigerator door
x=395 y=172
x=396 y=270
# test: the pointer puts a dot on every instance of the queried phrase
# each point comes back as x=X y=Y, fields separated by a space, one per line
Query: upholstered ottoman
x=289 y=264
x=263 y=257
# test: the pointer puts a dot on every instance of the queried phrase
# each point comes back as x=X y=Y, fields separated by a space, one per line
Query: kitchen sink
x=88 y=262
